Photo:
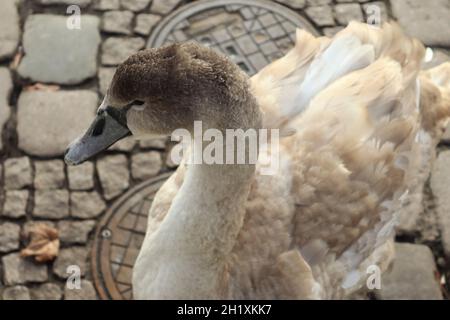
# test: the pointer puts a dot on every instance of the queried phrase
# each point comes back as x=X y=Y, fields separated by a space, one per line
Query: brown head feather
x=183 y=82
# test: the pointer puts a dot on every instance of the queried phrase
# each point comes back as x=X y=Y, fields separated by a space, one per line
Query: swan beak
x=103 y=132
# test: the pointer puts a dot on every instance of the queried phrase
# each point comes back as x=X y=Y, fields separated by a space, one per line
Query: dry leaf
x=44 y=243
x=42 y=87
x=17 y=58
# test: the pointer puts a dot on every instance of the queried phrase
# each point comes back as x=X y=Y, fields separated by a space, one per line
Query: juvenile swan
x=357 y=120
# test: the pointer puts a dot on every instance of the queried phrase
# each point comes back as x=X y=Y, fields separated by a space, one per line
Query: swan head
x=159 y=90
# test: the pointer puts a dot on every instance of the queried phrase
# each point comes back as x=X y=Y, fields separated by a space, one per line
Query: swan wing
x=352 y=160
x=280 y=78
x=355 y=158
x=286 y=87
x=356 y=150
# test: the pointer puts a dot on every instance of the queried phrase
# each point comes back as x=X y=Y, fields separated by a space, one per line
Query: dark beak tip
x=67 y=159
x=70 y=154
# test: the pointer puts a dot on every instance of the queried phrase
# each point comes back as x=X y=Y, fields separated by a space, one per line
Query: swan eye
x=138 y=103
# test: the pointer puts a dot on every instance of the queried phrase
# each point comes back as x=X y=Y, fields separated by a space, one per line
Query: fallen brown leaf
x=44 y=243
x=42 y=87
x=16 y=61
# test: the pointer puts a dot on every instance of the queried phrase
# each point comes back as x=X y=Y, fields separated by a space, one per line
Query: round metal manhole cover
x=253 y=33
x=119 y=237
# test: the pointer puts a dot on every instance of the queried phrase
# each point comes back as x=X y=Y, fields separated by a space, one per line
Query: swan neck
x=187 y=256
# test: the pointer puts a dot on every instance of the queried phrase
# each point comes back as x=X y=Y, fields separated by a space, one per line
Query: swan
x=356 y=117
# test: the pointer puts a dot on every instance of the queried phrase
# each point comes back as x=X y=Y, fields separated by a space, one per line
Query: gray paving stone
x=49 y=174
x=135 y=5
x=446 y=136
x=80 y=3
x=86 y=205
x=81 y=177
x=17 y=173
x=163 y=6
x=105 y=76
x=295 y=4
x=57 y=54
x=16 y=293
x=9 y=28
x=331 y=32
x=412 y=276
x=117 y=22
x=74 y=256
x=51 y=204
x=115 y=50
x=440 y=182
x=113 y=174
x=75 y=232
x=6 y=86
x=86 y=292
x=104 y=5
x=159 y=143
x=125 y=145
x=2 y=195
x=15 y=203
x=347 y=12
x=145 y=165
x=46 y=291
x=314 y=3
x=18 y=270
x=426 y=20
x=56 y=118
x=145 y=23
x=322 y=16
x=9 y=237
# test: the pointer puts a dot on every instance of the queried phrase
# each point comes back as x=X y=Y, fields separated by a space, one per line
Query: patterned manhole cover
x=253 y=33
x=119 y=237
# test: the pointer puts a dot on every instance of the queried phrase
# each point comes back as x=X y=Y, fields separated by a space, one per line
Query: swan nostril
x=98 y=127
x=138 y=103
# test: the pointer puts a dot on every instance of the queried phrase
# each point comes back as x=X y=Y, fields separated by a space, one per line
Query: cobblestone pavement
x=37 y=122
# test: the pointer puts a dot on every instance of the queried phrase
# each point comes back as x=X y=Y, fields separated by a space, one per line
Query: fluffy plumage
x=354 y=113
